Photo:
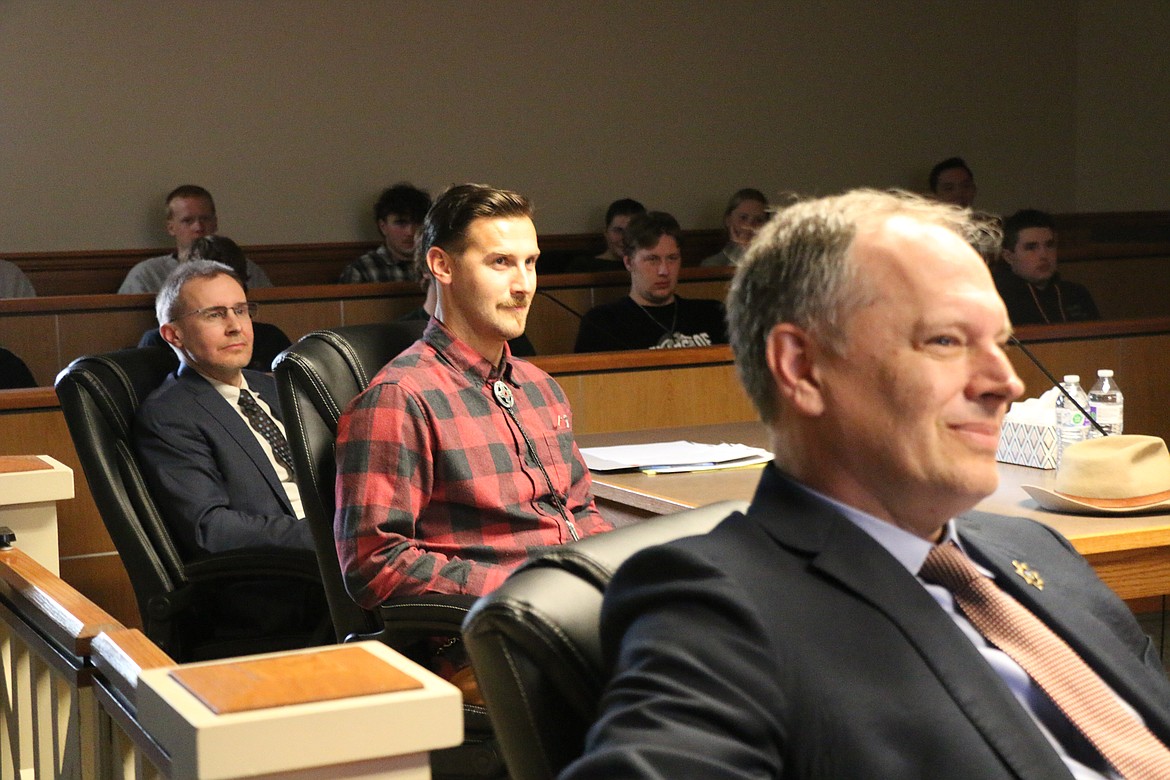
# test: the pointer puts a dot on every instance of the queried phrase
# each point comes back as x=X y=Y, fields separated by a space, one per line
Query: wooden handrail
x=64 y=614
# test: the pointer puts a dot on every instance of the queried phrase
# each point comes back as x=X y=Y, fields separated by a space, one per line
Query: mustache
x=518 y=301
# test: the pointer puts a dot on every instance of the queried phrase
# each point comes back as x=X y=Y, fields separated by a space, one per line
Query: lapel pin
x=1031 y=576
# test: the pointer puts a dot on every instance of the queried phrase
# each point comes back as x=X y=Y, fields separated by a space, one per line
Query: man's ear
x=793 y=356
x=628 y=262
x=440 y=263
x=171 y=335
x=1008 y=257
x=170 y=226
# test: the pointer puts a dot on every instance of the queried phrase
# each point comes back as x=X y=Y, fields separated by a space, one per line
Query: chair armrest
x=243 y=564
x=410 y=618
x=254 y=562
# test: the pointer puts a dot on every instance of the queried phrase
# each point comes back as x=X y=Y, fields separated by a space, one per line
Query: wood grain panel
x=43 y=432
x=296 y=318
x=551 y=328
x=120 y=656
x=95 y=332
x=54 y=605
x=103 y=580
x=33 y=338
x=1125 y=287
x=360 y=311
x=657 y=398
x=714 y=289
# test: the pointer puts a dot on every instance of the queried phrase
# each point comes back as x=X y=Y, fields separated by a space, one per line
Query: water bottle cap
x=1105 y=372
x=1072 y=379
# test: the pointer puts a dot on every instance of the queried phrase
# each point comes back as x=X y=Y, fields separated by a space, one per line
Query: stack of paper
x=673 y=456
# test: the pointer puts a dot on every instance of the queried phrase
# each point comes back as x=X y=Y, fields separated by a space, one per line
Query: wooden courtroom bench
x=101 y=271
x=47 y=333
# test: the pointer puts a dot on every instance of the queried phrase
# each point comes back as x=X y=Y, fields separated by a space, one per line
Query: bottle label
x=1108 y=414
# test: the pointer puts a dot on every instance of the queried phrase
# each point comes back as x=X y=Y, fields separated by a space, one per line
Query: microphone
x=1015 y=342
x=560 y=303
x=580 y=317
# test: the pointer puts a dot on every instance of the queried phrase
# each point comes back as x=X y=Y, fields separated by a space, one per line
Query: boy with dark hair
x=652 y=316
x=398 y=213
x=1028 y=280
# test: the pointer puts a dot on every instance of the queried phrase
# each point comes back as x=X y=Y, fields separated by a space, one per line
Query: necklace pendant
x=503 y=394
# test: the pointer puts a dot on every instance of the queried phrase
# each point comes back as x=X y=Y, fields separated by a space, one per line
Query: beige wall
x=1123 y=106
x=295 y=113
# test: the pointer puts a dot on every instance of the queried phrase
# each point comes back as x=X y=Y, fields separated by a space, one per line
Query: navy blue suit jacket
x=788 y=643
x=210 y=477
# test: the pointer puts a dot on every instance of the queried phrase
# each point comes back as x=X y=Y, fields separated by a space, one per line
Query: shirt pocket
x=548 y=447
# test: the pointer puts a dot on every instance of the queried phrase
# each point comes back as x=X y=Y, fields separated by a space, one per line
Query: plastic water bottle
x=1106 y=404
x=1071 y=421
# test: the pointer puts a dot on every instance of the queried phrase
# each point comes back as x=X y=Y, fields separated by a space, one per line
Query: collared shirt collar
x=231 y=393
x=909 y=550
x=461 y=357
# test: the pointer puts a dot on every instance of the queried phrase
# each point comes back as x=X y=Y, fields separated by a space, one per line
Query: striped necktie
x=266 y=427
x=1077 y=691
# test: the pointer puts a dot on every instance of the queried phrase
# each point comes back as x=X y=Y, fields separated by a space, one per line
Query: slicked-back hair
x=452 y=213
x=647 y=229
x=1022 y=220
x=169 y=301
x=403 y=199
x=187 y=191
x=800 y=270
x=946 y=165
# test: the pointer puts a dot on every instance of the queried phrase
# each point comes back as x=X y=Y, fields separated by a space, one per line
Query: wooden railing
x=50 y=722
x=83 y=697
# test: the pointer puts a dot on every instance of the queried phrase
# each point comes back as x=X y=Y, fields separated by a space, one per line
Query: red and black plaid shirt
x=436 y=491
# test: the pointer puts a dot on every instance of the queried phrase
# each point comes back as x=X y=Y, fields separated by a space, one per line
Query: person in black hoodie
x=1028 y=280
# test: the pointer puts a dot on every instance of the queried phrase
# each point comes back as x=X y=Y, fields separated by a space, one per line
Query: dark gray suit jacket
x=788 y=643
x=214 y=485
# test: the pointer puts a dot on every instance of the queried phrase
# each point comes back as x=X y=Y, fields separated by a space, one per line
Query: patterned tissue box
x=1029 y=444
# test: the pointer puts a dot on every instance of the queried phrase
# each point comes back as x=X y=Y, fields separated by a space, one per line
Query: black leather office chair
x=180 y=600
x=535 y=644
x=317 y=377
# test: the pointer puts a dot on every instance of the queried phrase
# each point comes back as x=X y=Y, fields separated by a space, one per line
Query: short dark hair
x=1022 y=220
x=222 y=249
x=623 y=207
x=452 y=213
x=646 y=229
x=187 y=191
x=946 y=165
x=403 y=199
x=739 y=196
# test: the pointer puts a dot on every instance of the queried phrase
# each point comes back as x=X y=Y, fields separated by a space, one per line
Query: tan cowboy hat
x=1114 y=475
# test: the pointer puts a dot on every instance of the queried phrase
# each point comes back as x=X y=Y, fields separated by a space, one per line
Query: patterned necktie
x=1062 y=674
x=264 y=425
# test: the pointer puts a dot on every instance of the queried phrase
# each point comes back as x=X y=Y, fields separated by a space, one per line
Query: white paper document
x=672 y=456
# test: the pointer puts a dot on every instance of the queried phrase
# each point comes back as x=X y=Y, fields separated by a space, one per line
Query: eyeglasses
x=216 y=314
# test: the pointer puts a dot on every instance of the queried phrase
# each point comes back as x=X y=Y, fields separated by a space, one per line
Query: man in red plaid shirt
x=458 y=463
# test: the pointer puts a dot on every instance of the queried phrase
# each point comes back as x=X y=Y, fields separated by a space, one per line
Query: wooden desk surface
x=1130 y=553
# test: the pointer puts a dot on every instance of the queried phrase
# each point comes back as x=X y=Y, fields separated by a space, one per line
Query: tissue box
x=1029 y=444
